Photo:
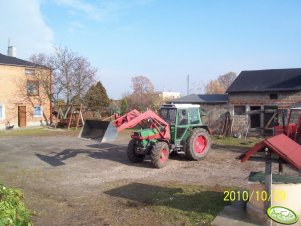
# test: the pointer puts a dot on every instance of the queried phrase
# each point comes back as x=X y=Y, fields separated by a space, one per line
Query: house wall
x=241 y=122
x=13 y=94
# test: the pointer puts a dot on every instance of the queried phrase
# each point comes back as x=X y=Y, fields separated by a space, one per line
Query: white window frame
x=38 y=116
x=3 y=111
x=29 y=71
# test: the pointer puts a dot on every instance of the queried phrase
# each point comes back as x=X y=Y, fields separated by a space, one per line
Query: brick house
x=257 y=98
x=214 y=105
x=25 y=88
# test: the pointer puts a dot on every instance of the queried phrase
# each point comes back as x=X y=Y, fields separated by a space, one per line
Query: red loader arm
x=119 y=120
x=149 y=119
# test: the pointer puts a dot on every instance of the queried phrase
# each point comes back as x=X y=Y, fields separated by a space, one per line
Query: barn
x=257 y=98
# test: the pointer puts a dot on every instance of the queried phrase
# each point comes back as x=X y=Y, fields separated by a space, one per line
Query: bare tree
x=143 y=93
x=42 y=74
x=227 y=79
x=142 y=85
x=73 y=74
x=221 y=84
x=84 y=76
x=61 y=63
x=214 y=87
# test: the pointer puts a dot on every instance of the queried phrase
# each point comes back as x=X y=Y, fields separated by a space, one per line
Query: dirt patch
x=69 y=181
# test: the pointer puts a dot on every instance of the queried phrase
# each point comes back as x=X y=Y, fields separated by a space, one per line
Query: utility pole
x=187 y=84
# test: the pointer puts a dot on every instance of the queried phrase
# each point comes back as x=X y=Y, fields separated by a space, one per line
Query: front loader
x=177 y=128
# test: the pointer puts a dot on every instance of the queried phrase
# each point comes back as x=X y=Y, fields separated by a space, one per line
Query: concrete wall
x=215 y=115
x=285 y=99
x=13 y=94
x=216 y=118
x=291 y=200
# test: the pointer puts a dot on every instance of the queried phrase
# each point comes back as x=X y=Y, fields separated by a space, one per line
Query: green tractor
x=178 y=128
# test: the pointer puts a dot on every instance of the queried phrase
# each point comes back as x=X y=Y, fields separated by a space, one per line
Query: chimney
x=12 y=51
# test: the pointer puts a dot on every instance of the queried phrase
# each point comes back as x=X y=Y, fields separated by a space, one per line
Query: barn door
x=21 y=116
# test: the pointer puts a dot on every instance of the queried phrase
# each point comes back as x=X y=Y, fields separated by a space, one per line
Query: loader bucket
x=101 y=131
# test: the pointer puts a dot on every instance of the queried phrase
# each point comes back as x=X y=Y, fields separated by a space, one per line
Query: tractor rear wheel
x=159 y=154
x=198 y=144
x=132 y=155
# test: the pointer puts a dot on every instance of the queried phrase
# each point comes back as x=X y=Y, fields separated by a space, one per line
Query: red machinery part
x=200 y=144
x=148 y=118
x=119 y=120
x=287 y=149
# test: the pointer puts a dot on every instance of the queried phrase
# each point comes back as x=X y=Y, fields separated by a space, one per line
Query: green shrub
x=12 y=208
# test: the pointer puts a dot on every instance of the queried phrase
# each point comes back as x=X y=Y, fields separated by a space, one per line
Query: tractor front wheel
x=132 y=155
x=159 y=154
x=198 y=144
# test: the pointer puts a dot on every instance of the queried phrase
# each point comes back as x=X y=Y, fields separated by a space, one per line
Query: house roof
x=8 y=60
x=287 y=149
x=267 y=81
x=202 y=98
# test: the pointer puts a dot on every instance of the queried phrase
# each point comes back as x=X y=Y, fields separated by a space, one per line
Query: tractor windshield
x=169 y=115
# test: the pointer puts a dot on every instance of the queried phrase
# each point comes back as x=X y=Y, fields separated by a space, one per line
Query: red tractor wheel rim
x=200 y=144
x=164 y=155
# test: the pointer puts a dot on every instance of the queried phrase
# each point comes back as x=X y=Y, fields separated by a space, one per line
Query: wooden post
x=262 y=120
x=268 y=181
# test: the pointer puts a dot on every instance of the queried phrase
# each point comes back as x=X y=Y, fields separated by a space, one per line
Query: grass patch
x=41 y=131
x=184 y=204
x=231 y=141
x=189 y=204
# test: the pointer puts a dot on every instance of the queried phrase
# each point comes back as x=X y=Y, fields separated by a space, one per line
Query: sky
x=164 y=40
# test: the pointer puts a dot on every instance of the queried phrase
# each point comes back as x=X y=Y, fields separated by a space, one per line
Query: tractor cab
x=181 y=119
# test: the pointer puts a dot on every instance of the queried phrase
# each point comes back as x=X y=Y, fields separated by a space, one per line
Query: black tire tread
x=132 y=156
x=156 y=153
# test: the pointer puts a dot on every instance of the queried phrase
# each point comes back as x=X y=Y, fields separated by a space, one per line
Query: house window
x=29 y=71
x=37 y=111
x=274 y=96
x=32 y=88
x=2 y=111
x=239 y=110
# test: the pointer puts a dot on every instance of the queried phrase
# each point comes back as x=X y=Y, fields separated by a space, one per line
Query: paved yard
x=67 y=181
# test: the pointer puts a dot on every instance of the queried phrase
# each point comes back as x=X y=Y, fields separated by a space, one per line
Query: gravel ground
x=64 y=178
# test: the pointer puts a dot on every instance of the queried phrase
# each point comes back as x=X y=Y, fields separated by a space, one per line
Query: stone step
x=231 y=216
